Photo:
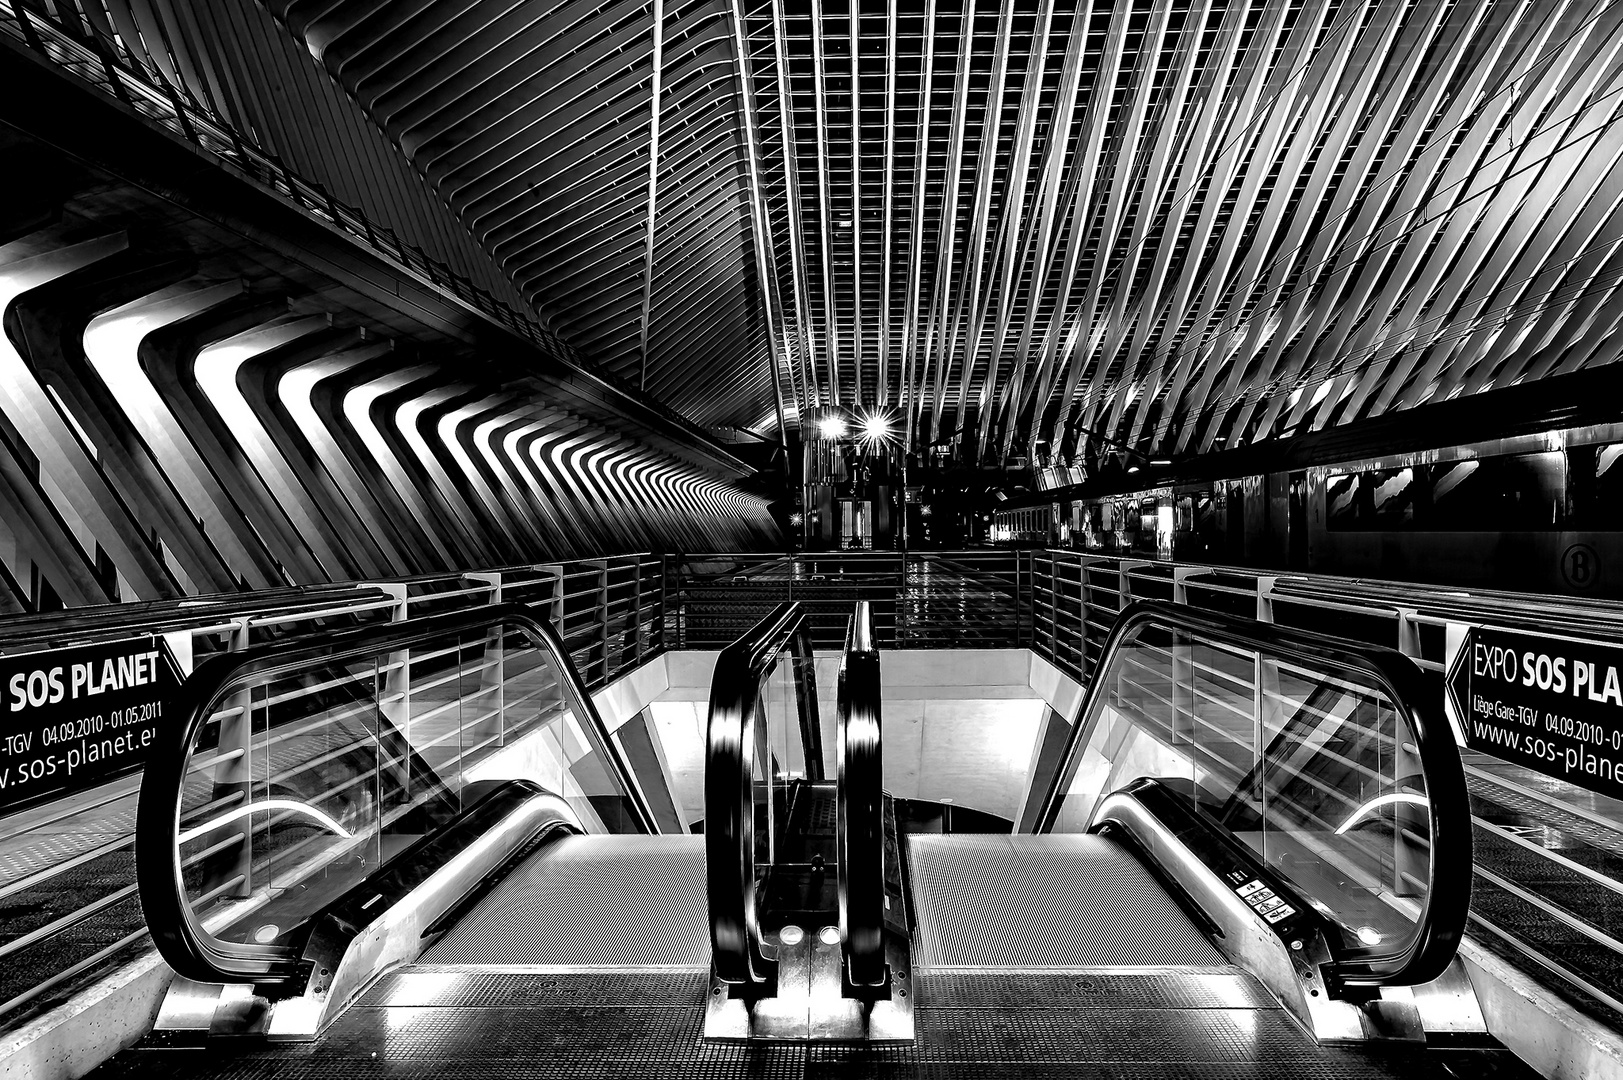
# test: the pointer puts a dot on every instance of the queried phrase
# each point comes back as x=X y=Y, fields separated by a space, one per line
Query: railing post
x=1269 y=714
x=1124 y=581
x=1180 y=591
x=555 y=605
x=601 y=606
x=1053 y=607
x=1265 y=599
x=636 y=610
x=670 y=611
x=1405 y=763
x=393 y=683
x=1408 y=632
x=493 y=676
x=234 y=775
x=180 y=647
x=1077 y=645
x=664 y=599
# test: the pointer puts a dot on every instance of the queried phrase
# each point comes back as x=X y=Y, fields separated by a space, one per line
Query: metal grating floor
x=1025 y=903
x=592 y=902
x=1160 y=1024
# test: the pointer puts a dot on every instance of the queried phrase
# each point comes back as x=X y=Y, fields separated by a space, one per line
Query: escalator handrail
x=179 y=936
x=861 y=822
x=1445 y=908
x=736 y=738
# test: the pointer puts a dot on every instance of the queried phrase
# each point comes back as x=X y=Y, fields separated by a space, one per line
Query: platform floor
x=1100 y=1025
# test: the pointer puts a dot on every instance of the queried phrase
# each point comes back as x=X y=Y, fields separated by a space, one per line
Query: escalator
x=439 y=800
x=1253 y=857
x=1252 y=860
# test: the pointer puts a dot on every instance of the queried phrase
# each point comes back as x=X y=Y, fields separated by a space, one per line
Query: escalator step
x=1233 y=989
x=441 y=988
x=1026 y=903
x=628 y=902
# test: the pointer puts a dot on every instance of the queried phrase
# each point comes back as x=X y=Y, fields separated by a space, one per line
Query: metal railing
x=1563 y=915
x=925 y=600
x=68 y=906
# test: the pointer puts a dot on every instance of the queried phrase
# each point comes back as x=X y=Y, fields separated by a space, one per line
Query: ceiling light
x=876 y=427
x=1162 y=461
x=1132 y=468
x=832 y=427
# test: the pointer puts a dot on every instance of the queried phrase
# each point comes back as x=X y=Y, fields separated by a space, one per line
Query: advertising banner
x=1554 y=705
x=73 y=718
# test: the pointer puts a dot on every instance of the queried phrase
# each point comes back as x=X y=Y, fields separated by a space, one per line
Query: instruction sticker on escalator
x=1554 y=705
x=75 y=718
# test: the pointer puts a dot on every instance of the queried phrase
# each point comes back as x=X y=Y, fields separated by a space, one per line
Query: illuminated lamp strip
x=254 y=808
x=1380 y=801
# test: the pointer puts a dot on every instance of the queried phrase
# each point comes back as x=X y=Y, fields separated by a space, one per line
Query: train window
x=1595 y=476
x=1375 y=499
x=1511 y=493
x=1186 y=514
x=1393 y=494
x=1341 y=500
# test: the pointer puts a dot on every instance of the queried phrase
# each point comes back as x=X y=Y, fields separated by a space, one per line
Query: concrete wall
x=959 y=725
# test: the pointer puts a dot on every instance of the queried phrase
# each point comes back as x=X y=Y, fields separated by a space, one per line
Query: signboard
x=1554 y=705
x=74 y=718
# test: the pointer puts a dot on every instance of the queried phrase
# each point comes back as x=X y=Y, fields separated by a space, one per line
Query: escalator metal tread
x=1025 y=903
x=619 y=902
x=610 y=1039
x=1155 y=989
x=420 y=987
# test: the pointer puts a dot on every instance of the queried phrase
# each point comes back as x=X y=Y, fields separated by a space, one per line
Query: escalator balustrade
x=1290 y=805
x=798 y=886
x=323 y=810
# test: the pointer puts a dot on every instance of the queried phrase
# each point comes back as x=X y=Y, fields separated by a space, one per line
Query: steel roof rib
x=1559 y=155
x=831 y=336
x=1314 y=107
x=855 y=34
x=940 y=323
x=970 y=307
x=1301 y=307
x=915 y=280
x=1150 y=225
x=1041 y=247
x=1088 y=190
x=1010 y=252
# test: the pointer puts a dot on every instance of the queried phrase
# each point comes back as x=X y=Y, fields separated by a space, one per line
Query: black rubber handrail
x=861 y=823
x=736 y=741
x=1444 y=910
x=179 y=936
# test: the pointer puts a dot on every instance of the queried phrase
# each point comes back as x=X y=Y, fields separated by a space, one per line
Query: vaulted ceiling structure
x=1168 y=225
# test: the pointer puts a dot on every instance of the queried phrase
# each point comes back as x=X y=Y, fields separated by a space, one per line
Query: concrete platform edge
x=96 y=1023
x=1558 y=1042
